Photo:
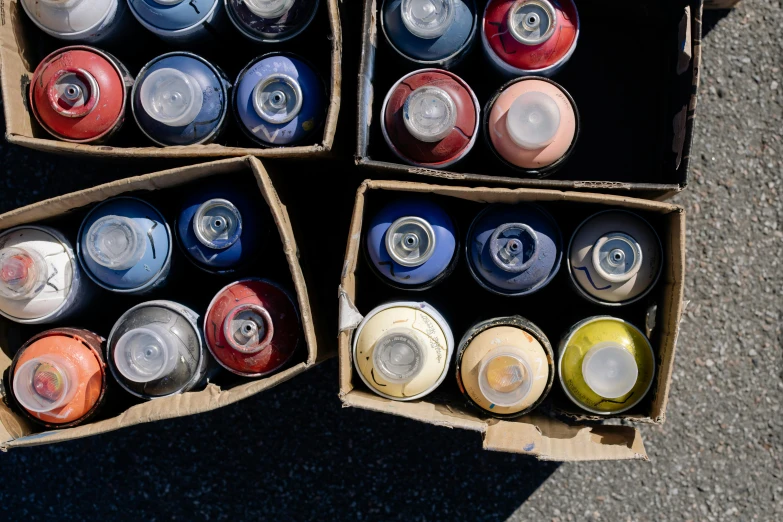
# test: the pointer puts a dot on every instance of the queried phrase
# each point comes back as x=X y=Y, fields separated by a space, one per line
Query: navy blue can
x=279 y=100
x=436 y=33
x=269 y=21
x=180 y=99
x=124 y=246
x=412 y=244
x=182 y=22
x=514 y=250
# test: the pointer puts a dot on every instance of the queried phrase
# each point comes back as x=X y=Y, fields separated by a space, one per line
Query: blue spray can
x=124 y=245
x=412 y=244
x=268 y=21
x=180 y=99
x=279 y=100
x=514 y=250
x=437 y=33
x=181 y=22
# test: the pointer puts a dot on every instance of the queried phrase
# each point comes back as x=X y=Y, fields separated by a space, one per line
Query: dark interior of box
x=231 y=53
x=463 y=302
x=186 y=284
x=622 y=77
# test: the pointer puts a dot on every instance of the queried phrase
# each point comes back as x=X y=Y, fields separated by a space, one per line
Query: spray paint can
x=40 y=280
x=412 y=244
x=279 y=100
x=58 y=378
x=180 y=22
x=252 y=327
x=524 y=37
x=269 y=21
x=430 y=118
x=180 y=99
x=156 y=350
x=78 y=94
x=505 y=366
x=88 y=21
x=125 y=246
x=437 y=33
x=606 y=365
x=402 y=350
x=514 y=250
x=532 y=125
x=614 y=258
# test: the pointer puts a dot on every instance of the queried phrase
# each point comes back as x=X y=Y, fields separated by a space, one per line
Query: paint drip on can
x=125 y=246
x=412 y=244
x=402 y=350
x=86 y=21
x=514 y=250
x=78 y=94
x=532 y=125
x=269 y=21
x=505 y=366
x=430 y=118
x=615 y=258
x=606 y=365
x=526 y=37
x=181 y=22
x=156 y=350
x=59 y=377
x=437 y=33
x=279 y=100
x=252 y=327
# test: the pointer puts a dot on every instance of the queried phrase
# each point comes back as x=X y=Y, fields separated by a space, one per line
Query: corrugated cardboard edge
x=14 y=432
x=19 y=122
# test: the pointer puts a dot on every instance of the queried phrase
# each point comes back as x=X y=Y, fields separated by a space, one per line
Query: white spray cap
x=428 y=18
x=278 y=98
x=505 y=379
x=23 y=273
x=116 y=242
x=269 y=8
x=617 y=257
x=533 y=120
x=429 y=114
x=171 y=97
x=217 y=224
x=45 y=383
x=398 y=356
x=610 y=370
x=147 y=353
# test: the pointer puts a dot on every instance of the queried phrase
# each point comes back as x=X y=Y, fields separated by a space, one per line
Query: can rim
x=250 y=36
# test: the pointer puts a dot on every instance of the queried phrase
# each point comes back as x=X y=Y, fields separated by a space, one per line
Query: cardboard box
x=720 y=4
x=15 y=431
x=563 y=435
x=23 y=46
x=634 y=76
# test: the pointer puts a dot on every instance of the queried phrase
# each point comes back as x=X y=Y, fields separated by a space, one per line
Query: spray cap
x=171 y=97
x=278 y=98
x=429 y=114
x=116 y=242
x=73 y=92
x=248 y=328
x=532 y=22
x=617 y=257
x=514 y=247
x=410 y=241
x=147 y=353
x=505 y=379
x=23 y=273
x=269 y=8
x=610 y=370
x=217 y=224
x=428 y=18
x=45 y=383
x=398 y=356
x=533 y=120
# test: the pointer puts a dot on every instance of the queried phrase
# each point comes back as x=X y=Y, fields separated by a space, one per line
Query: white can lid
x=610 y=370
x=147 y=353
x=45 y=383
x=269 y=8
x=399 y=356
x=532 y=120
x=429 y=114
x=116 y=242
x=428 y=18
x=171 y=97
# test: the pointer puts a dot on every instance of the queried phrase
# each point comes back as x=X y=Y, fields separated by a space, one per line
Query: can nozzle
x=217 y=224
x=533 y=120
x=278 y=98
x=269 y=9
x=610 y=370
x=23 y=273
x=513 y=247
x=428 y=19
x=73 y=92
x=410 y=241
x=532 y=22
x=116 y=242
x=45 y=383
x=398 y=356
x=429 y=114
x=617 y=257
x=248 y=328
x=171 y=97
x=147 y=353
x=505 y=379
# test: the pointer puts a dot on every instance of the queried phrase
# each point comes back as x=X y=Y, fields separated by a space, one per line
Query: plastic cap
x=617 y=257
x=249 y=328
x=429 y=114
x=171 y=97
x=505 y=379
x=269 y=8
x=278 y=98
x=217 y=224
x=116 y=242
x=533 y=120
x=45 y=383
x=532 y=22
x=398 y=356
x=610 y=370
x=146 y=354
x=23 y=273
x=428 y=18
x=410 y=241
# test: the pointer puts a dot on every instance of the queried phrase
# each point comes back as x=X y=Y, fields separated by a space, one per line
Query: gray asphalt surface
x=293 y=454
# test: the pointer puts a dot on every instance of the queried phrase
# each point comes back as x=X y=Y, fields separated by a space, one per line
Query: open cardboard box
x=634 y=77
x=567 y=434
x=23 y=46
x=15 y=431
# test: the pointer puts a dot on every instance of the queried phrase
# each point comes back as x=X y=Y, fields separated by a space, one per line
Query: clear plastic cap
x=398 y=356
x=171 y=97
x=278 y=98
x=410 y=241
x=505 y=379
x=610 y=370
x=217 y=224
x=532 y=120
x=116 y=242
x=147 y=353
x=429 y=114
x=269 y=8
x=428 y=18
x=249 y=328
x=617 y=257
x=532 y=22
x=45 y=383
x=23 y=273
